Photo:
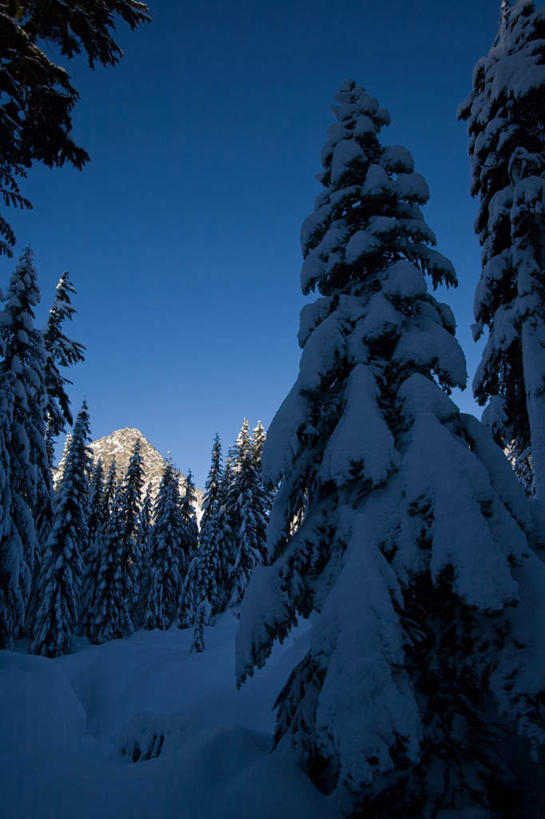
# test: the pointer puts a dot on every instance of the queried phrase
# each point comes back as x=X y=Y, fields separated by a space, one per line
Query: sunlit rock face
x=119 y=445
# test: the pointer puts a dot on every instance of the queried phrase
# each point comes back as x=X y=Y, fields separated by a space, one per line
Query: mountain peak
x=119 y=446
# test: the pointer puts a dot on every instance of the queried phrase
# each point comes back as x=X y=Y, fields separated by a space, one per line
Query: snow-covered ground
x=70 y=727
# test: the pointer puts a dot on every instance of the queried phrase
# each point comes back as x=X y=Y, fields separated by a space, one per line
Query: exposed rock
x=119 y=445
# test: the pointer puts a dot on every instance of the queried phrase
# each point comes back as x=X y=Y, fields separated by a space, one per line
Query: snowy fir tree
x=398 y=522
x=13 y=570
x=57 y=475
x=212 y=487
x=247 y=508
x=188 y=515
x=211 y=579
x=27 y=484
x=96 y=518
x=204 y=587
x=189 y=591
x=259 y=437
x=96 y=521
x=190 y=597
x=130 y=500
x=112 y=590
x=110 y=488
x=61 y=574
x=143 y=552
x=110 y=612
x=103 y=567
x=168 y=556
x=223 y=536
x=61 y=352
x=504 y=115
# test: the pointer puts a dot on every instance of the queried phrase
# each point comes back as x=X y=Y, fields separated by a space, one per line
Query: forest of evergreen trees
x=96 y=555
x=392 y=520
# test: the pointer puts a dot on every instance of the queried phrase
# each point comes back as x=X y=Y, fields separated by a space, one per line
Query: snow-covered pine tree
x=189 y=591
x=398 y=521
x=57 y=475
x=61 y=351
x=259 y=437
x=247 y=505
x=95 y=518
x=61 y=575
x=28 y=491
x=168 y=556
x=189 y=597
x=143 y=547
x=13 y=569
x=110 y=613
x=110 y=488
x=504 y=115
x=130 y=499
x=105 y=618
x=223 y=536
x=188 y=514
x=212 y=487
x=210 y=576
x=95 y=530
x=203 y=592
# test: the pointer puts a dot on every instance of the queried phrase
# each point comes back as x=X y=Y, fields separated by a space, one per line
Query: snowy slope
x=64 y=725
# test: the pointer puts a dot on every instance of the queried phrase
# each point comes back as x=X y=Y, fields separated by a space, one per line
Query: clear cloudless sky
x=182 y=233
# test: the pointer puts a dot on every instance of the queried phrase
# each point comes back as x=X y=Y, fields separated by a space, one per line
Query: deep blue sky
x=182 y=234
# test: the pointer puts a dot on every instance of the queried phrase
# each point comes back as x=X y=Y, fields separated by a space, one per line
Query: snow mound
x=72 y=727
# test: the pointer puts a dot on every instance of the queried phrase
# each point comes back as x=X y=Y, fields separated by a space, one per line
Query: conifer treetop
x=368 y=216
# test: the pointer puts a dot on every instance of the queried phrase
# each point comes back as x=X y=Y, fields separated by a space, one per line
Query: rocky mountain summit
x=119 y=446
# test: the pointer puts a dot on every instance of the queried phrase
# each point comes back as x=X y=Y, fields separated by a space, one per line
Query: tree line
x=96 y=556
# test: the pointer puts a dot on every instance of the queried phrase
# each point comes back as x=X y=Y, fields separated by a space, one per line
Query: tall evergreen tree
x=212 y=486
x=110 y=613
x=507 y=149
x=110 y=488
x=188 y=514
x=61 y=575
x=211 y=580
x=398 y=522
x=28 y=498
x=96 y=517
x=190 y=588
x=169 y=559
x=13 y=568
x=130 y=499
x=259 y=437
x=57 y=475
x=143 y=553
x=96 y=521
x=247 y=504
x=61 y=351
x=224 y=529
x=267 y=492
